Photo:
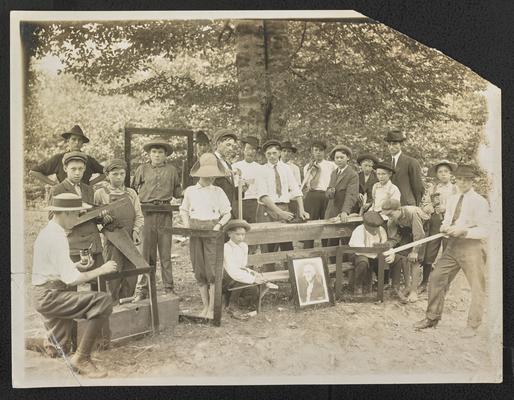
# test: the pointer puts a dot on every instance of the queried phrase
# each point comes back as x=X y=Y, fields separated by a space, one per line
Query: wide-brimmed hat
x=224 y=133
x=384 y=165
x=271 y=142
x=319 y=144
x=340 y=147
x=367 y=156
x=208 y=166
x=116 y=163
x=433 y=169
x=159 y=142
x=289 y=146
x=251 y=140
x=74 y=155
x=237 y=223
x=465 y=171
x=67 y=202
x=201 y=137
x=77 y=131
x=395 y=136
x=391 y=204
x=372 y=218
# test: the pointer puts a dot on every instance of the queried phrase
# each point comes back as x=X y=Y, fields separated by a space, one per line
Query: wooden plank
x=154 y=311
x=194 y=232
x=123 y=242
x=97 y=211
x=220 y=242
x=189 y=165
x=380 y=277
x=339 y=273
x=413 y=244
x=277 y=232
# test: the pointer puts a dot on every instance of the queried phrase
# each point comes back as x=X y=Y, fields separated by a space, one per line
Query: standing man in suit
x=408 y=171
x=367 y=178
x=225 y=143
x=343 y=188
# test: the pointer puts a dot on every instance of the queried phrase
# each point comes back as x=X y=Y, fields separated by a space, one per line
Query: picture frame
x=310 y=282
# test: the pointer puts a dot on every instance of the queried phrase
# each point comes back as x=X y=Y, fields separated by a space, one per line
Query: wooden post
x=190 y=156
x=240 y=199
x=128 y=155
x=220 y=242
x=339 y=273
x=380 y=287
x=152 y=288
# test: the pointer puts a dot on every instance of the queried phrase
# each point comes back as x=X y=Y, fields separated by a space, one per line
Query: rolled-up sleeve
x=482 y=220
x=233 y=260
x=67 y=270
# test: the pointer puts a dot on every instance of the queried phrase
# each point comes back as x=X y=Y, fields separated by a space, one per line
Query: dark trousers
x=363 y=271
x=265 y=215
x=465 y=254
x=250 y=210
x=315 y=204
x=124 y=287
x=202 y=252
x=59 y=305
x=157 y=236
x=432 y=248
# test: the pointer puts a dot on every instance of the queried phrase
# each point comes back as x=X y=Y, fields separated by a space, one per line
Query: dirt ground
x=346 y=341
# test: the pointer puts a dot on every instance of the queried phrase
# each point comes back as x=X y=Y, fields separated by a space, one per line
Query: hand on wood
x=343 y=217
x=136 y=238
x=412 y=257
x=285 y=215
x=109 y=266
x=390 y=258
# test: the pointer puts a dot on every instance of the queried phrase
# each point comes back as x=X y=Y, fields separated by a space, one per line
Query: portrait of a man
x=310 y=281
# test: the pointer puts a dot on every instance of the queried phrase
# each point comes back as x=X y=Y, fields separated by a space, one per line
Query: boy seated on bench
x=235 y=261
x=369 y=234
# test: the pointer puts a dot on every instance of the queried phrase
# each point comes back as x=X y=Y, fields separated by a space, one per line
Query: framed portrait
x=309 y=277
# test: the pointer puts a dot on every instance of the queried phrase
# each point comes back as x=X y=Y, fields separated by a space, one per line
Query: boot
x=81 y=360
x=426 y=323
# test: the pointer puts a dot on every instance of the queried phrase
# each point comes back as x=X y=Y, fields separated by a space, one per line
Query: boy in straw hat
x=466 y=220
x=205 y=206
x=235 y=260
x=74 y=139
x=434 y=203
x=128 y=218
x=54 y=278
x=157 y=183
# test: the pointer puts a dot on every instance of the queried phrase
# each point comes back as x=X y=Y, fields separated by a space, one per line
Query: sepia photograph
x=310 y=281
x=183 y=183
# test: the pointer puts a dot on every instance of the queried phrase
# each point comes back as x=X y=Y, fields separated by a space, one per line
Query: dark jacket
x=82 y=235
x=226 y=183
x=366 y=187
x=346 y=187
x=318 y=292
x=408 y=179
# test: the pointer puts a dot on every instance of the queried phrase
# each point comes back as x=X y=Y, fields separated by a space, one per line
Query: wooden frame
x=317 y=266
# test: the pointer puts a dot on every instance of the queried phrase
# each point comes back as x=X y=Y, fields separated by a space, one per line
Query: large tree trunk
x=262 y=61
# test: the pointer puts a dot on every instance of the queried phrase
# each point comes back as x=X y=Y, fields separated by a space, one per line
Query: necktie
x=458 y=207
x=393 y=162
x=77 y=189
x=278 y=182
x=316 y=174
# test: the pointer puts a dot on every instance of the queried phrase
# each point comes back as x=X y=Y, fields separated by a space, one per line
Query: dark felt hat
x=77 y=131
x=289 y=146
x=391 y=204
x=271 y=142
x=116 y=163
x=74 y=155
x=372 y=218
x=433 y=169
x=367 y=156
x=340 y=147
x=159 y=142
x=384 y=165
x=465 y=171
x=251 y=140
x=201 y=137
x=237 y=223
x=224 y=133
x=319 y=144
x=395 y=136
x=208 y=166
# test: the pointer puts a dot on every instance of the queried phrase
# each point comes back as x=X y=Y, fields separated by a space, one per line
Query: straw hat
x=433 y=170
x=158 y=143
x=208 y=166
x=67 y=202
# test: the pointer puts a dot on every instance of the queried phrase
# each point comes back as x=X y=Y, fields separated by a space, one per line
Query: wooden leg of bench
x=259 y=302
x=152 y=287
x=380 y=287
x=339 y=274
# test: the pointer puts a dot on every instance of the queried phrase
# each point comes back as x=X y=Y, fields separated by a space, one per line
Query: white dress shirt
x=296 y=171
x=474 y=214
x=362 y=238
x=250 y=172
x=396 y=157
x=383 y=192
x=326 y=168
x=266 y=183
x=235 y=259
x=51 y=260
x=205 y=203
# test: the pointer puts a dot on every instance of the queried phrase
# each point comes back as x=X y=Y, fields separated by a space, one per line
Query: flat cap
x=340 y=147
x=224 y=133
x=391 y=204
x=271 y=142
x=372 y=218
x=465 y=171
x=116 y=163
x=74 y=155
x=237 y=223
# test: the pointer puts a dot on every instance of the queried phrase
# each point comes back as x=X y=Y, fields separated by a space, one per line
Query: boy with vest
x=128 y=218
x=54 y=279
x=205 y=206
x=157 y=183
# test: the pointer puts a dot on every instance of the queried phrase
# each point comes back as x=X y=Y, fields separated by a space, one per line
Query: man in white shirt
x=286 y=157
x=465 y=222
x=54 y=277
x=277 y=187
x=249 y=171
x=317 y=175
